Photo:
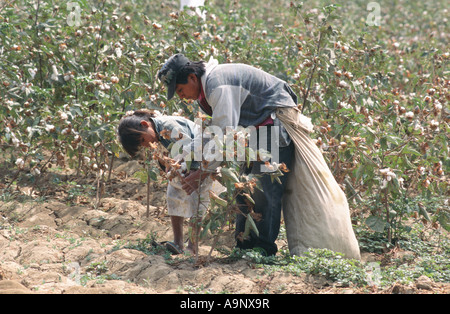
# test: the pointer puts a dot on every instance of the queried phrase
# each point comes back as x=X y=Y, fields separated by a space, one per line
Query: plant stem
x=198 y=219
x=386 y=204
x=14 y=178
x=148 y=194
x=101 y=33
x=128 y=87
x=311 y=74
x=110 y=166
x=148 y=184
x=37 y=15
x=37 y=44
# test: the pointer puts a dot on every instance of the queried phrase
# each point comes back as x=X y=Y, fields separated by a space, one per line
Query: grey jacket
x=241 y=95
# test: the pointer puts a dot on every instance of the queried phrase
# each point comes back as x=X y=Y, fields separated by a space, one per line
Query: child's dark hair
x=198 y=68
x=130 y=130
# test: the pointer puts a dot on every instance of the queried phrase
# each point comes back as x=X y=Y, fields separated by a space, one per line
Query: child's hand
x=190 y=183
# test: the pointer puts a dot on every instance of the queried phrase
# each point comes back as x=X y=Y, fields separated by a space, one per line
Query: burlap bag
x=315 y=208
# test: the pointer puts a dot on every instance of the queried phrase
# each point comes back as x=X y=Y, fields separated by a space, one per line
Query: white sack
x=315 y=208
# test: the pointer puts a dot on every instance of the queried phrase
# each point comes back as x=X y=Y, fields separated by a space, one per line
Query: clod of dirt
x=423 y=282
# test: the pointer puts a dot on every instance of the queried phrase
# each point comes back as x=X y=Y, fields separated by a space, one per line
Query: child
x=144 y=128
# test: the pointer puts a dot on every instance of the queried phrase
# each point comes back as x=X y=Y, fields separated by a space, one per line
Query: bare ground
x=54 y=241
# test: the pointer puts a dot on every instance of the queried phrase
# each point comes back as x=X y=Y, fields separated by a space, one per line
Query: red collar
x=203 y=102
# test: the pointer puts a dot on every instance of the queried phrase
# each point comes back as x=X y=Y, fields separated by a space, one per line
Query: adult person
x=315 y=208
x=193 y=4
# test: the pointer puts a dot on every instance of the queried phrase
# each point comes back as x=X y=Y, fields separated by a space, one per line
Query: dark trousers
x=268 y=203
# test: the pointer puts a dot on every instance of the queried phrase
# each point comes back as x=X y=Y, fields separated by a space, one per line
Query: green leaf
x=217 y=199
x=360 y=171
x=249 y=226
x=249 y=198
x=424 y=212
x=153 y=175
x=141 y=175
x=393 y=139
x=409 y=150
x=229 y=174
x=376 y=223
x=383 y=143
x=206 y=229
x=444 y=219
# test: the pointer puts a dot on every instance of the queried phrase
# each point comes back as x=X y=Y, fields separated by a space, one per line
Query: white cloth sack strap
x=315 y=208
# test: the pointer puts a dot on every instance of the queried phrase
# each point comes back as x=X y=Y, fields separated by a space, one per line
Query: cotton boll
x=390 y=175
x=66 y=131
x=118 y=52
x=306 y=123
x=54 y=73
x=401 y=182
x=35 y=171
x=343 y=84
x=114 y=79
x=409 y=115
x=434 y=125
x=15 y=141
x=20 y=163
x=63 y=115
